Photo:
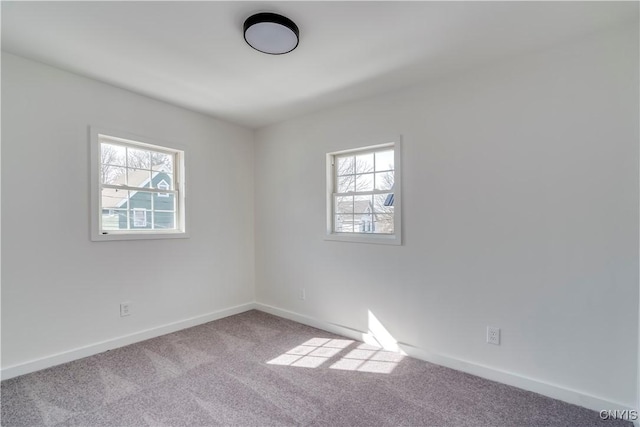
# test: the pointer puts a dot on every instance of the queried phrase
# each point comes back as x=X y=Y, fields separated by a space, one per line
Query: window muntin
x=362 y=195
x=140 y=193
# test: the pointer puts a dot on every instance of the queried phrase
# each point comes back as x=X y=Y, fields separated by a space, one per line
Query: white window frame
x=98 y=135
x=355 y=237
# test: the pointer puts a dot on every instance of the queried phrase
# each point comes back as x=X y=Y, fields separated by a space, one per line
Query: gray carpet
x=255 y=369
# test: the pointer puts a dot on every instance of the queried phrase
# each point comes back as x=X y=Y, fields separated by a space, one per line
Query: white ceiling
x=193 y=53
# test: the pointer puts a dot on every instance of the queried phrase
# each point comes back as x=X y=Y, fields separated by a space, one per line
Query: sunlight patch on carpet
x=312 y=353
x=364 y=358
x=380 y=353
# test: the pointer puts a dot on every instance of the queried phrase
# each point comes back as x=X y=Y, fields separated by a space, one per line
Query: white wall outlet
x=493 y=335
x=125 y=308
x=303 y=294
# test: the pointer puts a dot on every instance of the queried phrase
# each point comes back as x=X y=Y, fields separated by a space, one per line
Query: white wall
x=520 y=211
x=61 y=291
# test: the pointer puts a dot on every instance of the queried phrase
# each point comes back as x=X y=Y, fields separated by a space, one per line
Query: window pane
x=161 y=162
x=164 y=203
x=384 y=160
x=364 y=182
x=346 y=183
x=138 y=178
x=364 y=223
x=113 y=198
x=346 y=165
x=384 y=180
x=114 y=219
x=343 y=204
x=139 y=159
x=364 y=163
x=363 y=204
x=383 y=223
x=140 y=200
x=112 y=154
x=164 y=220
x=162 y=180
x=383 y=203
x=112 y=174
x=139 y=218
x=343 y=224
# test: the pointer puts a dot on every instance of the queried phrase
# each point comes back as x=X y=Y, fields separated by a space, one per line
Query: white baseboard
x=547 y=389
x=541 y=387
x=99 y=347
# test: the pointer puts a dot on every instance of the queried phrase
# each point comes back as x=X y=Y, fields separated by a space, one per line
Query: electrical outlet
x=125 y=309
x=493 y=335
x=303 y=294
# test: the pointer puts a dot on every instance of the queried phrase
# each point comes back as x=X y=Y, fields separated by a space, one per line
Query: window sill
x=379 y=239
x=141 y=235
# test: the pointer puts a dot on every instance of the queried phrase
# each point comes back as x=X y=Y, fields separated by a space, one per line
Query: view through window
x=363 y=191
x=138 y=187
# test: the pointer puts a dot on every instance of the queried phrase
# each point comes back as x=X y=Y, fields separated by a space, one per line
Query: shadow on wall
x=379 y=353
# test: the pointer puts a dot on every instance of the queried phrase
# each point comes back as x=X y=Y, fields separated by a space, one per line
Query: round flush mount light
x=271 y=33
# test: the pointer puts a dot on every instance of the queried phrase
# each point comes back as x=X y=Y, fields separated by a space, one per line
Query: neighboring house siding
x=116 y=217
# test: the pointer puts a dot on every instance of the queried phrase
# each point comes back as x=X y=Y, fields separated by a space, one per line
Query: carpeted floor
x=255 y=369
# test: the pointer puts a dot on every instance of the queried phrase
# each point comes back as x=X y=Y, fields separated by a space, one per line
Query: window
x=137 y=188
x=363 y=195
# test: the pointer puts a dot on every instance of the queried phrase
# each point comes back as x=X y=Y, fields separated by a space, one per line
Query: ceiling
x=193 y=54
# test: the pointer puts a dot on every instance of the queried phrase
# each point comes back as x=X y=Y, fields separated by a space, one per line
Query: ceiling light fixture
x=271 y=33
